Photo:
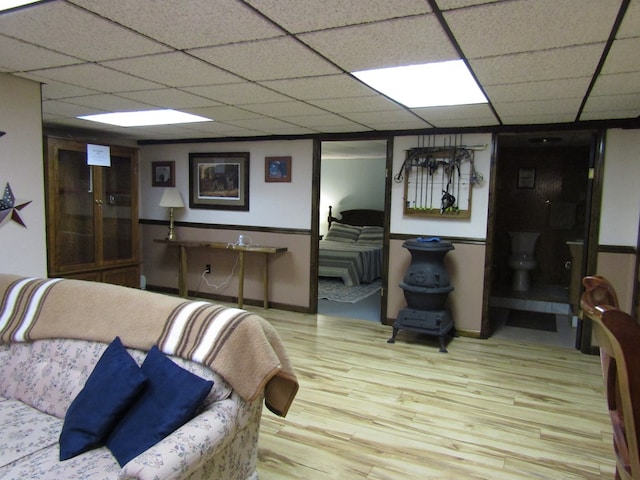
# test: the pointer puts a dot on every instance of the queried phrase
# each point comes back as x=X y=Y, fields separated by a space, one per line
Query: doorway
x=540 y=224
x=352 y=177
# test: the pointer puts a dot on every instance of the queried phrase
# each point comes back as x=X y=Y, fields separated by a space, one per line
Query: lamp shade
x=171 y=198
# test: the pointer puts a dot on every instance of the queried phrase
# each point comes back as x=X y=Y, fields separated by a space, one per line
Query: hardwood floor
x=488 y=409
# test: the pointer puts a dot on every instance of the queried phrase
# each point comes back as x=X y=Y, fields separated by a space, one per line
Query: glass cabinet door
x=117 y=209
x=74 y=228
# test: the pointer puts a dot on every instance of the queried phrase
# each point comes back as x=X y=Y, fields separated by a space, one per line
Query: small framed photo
x=163 y=174
x=219 y=181
x=277 y=169
x=526 y=178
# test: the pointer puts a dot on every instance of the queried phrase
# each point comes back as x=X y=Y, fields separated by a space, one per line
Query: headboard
x=359 y=217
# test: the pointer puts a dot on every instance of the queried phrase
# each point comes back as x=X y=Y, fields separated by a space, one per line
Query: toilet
x=522 y=258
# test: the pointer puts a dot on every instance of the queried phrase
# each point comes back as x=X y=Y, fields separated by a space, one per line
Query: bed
x=352 y=248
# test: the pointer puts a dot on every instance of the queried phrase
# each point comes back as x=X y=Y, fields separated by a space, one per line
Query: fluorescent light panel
x=428 y=85
x=145 y=118
x=9 y=4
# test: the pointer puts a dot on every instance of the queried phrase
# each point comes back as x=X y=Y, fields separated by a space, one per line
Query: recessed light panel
x=9 y=4
x=427 y=85
x=145 y=118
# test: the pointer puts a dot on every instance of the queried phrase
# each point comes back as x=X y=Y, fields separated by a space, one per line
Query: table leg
x=265 y=280
x=241 y=280
x=183 y=291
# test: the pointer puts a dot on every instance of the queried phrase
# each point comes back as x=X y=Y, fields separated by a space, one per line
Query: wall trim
x=220 y=226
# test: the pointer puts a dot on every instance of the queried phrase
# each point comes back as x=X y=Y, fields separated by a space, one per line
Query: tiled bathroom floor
x=547 y=299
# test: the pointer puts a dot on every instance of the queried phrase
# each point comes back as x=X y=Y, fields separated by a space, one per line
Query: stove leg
x=443 y=344
x=393 y=336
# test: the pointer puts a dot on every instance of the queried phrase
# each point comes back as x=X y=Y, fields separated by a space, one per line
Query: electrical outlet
x=207 y=268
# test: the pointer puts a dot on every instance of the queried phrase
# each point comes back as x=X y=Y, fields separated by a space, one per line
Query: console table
x=241 y=250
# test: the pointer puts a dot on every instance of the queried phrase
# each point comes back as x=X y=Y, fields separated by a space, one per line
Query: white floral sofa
x=40 y=375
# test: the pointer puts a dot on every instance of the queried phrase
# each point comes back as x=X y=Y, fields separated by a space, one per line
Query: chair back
x=618 y=336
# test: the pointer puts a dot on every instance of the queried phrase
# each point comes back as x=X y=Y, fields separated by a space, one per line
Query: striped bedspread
x=352 y=262
x=242 y=347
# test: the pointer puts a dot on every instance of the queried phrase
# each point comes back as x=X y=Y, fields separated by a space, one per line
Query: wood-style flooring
x=488 y=409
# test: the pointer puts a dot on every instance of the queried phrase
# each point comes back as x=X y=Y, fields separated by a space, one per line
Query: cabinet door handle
x=98 y=202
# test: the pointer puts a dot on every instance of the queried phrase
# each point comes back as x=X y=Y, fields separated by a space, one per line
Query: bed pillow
x=371 y=235
x=113 y=385
x=340 y=232
x=172 y=397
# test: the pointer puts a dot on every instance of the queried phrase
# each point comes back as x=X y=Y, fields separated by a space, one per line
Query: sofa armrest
x=180 y=453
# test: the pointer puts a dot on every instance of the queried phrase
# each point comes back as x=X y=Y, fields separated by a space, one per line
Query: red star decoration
x=9 y=209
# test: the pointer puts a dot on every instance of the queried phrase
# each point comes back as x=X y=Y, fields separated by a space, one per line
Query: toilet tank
x=524 y=242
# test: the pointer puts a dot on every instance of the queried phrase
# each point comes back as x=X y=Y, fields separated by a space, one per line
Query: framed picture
x=163 y=174
x=277 y=169
x=526 y=177
x=219 y=181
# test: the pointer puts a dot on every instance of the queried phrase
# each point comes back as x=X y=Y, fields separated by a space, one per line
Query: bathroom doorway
x=540 y=222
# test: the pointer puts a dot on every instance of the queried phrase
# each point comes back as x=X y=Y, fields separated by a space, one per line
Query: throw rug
x=335 y=290
x=532 y=320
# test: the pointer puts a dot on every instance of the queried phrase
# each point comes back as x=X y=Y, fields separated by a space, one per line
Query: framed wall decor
x=277 y=169
x=526 y=178
x=219 y=181
x=163 y=174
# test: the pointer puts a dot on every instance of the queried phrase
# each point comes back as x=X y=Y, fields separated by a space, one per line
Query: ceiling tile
x=470 y=115
x=175 y=69
x=314 y=88
x=283 y=109
x=572 y=62
x=57 y=90
x=508 y=27
x=626 y=102
x=96 y=77
x=388 y=43
x=238 y=93
x=76 y=33
x=106 y=103
x=66 y=109
x=356 y=104
x=184 y=25
x=563 y=106
x=224 y=113
x=623 y=56
x=287 y=58
x=621 y=83
x=544 y=90
x=22 y=56
x=320 y=121
x=169 y=98
x=300 y=17
x=630 y=25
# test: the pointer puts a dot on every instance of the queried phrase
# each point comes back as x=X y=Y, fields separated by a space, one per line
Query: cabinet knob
x=98 y=202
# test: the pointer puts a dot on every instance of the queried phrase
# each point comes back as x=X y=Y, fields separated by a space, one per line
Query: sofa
x=55 y=335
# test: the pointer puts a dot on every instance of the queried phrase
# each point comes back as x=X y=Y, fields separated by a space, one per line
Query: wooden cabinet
x=92 y=214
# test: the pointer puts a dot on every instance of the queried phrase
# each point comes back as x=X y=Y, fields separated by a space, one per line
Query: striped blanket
x=242 y=347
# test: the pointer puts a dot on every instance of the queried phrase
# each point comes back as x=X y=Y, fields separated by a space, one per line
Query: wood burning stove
x=426 y=288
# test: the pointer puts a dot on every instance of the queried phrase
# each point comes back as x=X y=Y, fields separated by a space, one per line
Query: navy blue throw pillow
x=172 y=397
x=113 y=385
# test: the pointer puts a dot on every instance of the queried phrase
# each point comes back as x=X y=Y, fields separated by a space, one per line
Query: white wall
x=23 y=249
x=476 y=226
x=276 y=205
x=620 y=211
x=351 y=183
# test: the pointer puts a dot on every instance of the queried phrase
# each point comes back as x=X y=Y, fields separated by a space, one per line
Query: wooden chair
x=618 y=335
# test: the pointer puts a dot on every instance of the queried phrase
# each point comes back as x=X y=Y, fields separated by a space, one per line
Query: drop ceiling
x=281 y=67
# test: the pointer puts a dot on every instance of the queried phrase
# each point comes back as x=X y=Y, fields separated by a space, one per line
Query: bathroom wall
x=555 y=206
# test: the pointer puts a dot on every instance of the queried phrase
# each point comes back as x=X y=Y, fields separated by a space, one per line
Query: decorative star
x=9 y=209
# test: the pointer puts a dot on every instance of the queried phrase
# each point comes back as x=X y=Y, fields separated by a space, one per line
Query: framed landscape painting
x=219 y=180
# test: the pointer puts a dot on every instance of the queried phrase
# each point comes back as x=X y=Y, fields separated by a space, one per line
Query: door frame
x=315 y=218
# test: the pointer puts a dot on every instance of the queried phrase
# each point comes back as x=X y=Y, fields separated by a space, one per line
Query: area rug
x=532 y=320
x=334 y=289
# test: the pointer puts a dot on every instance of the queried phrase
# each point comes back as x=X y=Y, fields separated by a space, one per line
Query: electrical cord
x=215 y=286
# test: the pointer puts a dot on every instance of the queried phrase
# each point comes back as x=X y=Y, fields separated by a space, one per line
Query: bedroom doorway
x=351 y=219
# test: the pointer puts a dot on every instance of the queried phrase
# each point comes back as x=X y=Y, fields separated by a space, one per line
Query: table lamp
x=171 y=199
